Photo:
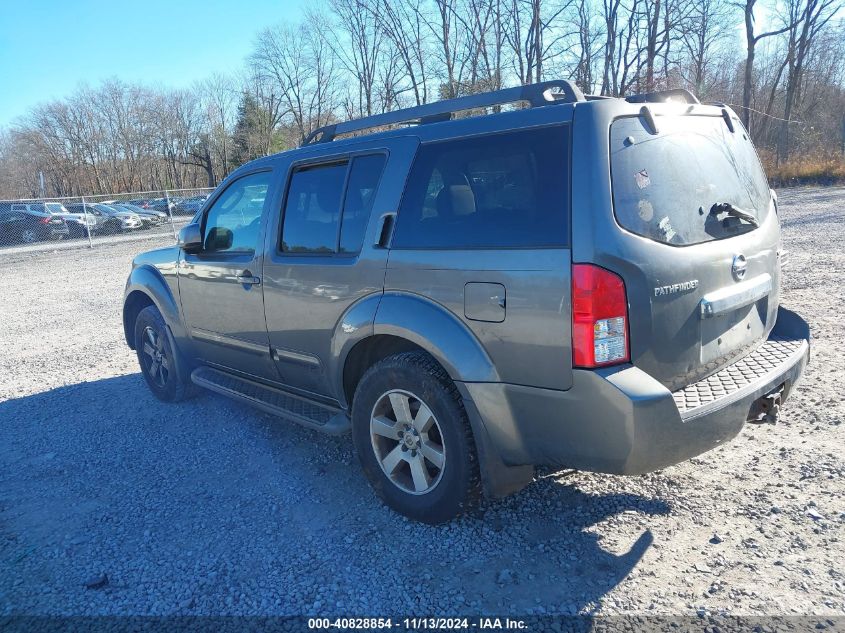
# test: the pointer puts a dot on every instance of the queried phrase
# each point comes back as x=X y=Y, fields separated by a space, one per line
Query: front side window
x=505 y=190
x=233 y=223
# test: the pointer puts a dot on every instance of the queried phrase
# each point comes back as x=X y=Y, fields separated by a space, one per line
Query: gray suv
x=577 y=282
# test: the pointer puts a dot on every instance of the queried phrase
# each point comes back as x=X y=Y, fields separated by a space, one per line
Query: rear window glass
x=501 y=190
x=668 y=186
x=361 y=189
x=312 y=210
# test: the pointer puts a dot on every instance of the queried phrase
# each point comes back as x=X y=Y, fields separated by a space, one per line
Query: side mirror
x=190 y=238
x=219 y=239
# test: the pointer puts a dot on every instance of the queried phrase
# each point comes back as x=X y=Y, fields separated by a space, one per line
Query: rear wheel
x=413 y=438
x=28 y=236
x=157 y=355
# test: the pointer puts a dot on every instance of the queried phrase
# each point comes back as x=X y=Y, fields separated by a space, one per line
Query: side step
x=323 y=418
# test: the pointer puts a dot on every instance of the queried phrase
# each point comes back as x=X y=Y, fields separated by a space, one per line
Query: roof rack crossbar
x=539 y=94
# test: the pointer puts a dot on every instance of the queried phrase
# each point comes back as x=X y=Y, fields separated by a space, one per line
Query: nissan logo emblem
x=739 y=266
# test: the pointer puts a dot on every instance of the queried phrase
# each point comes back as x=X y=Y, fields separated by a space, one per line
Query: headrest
x=455 y=201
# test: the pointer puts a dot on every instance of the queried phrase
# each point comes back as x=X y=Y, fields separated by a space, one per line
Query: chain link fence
x=86 y=221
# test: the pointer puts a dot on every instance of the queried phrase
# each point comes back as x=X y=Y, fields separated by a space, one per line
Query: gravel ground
x=208 y=507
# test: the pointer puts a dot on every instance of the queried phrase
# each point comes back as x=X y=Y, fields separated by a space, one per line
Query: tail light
x=599 y=317
x=46 y=220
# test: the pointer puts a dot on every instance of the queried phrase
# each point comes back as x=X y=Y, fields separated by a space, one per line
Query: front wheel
x=156 y=352
x=413 y=438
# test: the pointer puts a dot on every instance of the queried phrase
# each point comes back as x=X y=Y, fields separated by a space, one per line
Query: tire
x=410 y=444
x=29 y=236
x=158 y=357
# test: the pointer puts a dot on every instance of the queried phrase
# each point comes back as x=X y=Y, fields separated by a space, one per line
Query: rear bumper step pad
x=770 y=356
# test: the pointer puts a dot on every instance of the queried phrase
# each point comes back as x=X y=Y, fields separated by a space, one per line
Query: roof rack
x=663 y=95
x=539 y=94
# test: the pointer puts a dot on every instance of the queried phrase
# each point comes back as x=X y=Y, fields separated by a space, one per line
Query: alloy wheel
x=157 y=364
x=29 y=236
x=407 y=441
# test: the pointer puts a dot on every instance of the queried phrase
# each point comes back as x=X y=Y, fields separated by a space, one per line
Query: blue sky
x=49 y=47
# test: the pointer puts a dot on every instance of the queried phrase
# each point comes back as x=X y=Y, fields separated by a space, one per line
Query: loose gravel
x=114 y=503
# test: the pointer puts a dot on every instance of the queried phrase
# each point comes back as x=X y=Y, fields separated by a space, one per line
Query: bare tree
x=808 y=18
x=297 y=60
x=357 y=46
x=402 y=24
x=751 y=41
x=705 y=27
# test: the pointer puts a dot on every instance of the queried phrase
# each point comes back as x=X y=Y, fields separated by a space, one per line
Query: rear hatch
x=694 y=234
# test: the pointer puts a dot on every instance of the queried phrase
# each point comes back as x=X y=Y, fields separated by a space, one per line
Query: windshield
x=56 y=207
x=677 y=186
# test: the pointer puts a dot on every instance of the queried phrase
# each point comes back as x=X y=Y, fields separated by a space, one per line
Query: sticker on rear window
x=646 y=211
x=642 y=179
x=665 y=225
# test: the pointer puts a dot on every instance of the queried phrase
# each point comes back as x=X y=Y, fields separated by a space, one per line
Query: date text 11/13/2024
x=414 y=624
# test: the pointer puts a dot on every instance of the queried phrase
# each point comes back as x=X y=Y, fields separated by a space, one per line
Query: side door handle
x=248 y=279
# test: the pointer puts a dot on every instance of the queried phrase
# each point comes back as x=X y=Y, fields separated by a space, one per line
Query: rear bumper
x=620 y=420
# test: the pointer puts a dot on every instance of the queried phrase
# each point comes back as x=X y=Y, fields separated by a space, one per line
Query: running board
x=294 y=408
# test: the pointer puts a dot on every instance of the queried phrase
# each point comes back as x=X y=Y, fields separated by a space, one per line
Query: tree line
x=779 y=63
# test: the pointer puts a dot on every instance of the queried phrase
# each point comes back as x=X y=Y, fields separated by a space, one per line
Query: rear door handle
x=248 y=279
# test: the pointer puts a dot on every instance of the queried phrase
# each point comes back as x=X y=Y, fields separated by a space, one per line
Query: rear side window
x=364 y=177
x=666 y=186
x=312 y=210
x=328 y=206
x=497 y=191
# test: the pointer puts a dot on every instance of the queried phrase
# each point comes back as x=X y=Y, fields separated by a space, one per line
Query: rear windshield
x=667 y=186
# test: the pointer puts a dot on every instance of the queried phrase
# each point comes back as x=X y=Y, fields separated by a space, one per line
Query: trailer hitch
x=766 y=409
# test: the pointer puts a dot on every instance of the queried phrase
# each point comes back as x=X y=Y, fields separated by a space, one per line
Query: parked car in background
x=29 y=222
x=149 y=217
x=190 y=206
x=79 y=224
x=155 y=204
x=105 y=224
x=128 y=220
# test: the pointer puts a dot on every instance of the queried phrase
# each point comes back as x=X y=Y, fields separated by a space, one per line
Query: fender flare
x=355 y=325
x=439 y=332
x=149 y=281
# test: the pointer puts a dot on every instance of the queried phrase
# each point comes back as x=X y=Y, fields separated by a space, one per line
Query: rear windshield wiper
x=726 y=207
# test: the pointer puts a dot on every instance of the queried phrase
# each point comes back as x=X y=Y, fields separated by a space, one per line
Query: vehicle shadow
x=101 y=471
x=557 y=558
